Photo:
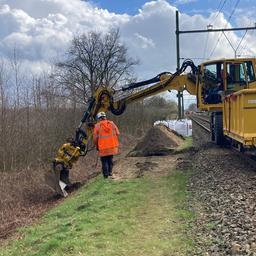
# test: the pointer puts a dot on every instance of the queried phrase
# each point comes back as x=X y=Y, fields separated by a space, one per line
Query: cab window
x=213 y=83
x=250 y=71
x=236 y=75
x=210 y=75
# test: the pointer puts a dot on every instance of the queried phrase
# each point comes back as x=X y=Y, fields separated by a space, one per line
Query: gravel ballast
x=223 y=187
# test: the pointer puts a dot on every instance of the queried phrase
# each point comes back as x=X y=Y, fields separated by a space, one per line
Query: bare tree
x=161 y=108
x=94 y=59
x=15 y=62
x=3 y=115
x=192 y=107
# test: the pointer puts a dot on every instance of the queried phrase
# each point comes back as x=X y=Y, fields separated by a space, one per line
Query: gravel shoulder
x=223 y=186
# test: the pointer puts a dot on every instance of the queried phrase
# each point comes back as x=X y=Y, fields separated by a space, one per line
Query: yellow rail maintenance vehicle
x=226 y=88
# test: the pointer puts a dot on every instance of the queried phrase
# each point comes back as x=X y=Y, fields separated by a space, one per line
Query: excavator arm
x=106 y=99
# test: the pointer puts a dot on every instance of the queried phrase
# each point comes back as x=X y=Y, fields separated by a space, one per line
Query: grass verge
x=145 y=216
x=187 y=145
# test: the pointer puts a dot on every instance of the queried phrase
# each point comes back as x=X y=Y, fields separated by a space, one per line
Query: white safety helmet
x=100 y=115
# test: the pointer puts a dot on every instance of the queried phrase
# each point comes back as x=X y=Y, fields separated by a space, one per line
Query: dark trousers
x=107 y=165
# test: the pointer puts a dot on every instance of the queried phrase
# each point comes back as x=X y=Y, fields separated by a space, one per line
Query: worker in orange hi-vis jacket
x=105 y=137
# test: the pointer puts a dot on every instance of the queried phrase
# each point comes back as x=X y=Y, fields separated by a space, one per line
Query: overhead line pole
x=179 y=95
x=178 y=32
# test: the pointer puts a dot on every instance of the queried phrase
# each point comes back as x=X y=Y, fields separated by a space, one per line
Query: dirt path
x=158 y=222
x=134 y=167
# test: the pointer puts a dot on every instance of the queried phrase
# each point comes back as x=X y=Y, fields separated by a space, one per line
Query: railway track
x=203 y=122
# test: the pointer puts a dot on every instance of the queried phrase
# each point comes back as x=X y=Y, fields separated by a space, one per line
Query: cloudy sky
x=41 y=30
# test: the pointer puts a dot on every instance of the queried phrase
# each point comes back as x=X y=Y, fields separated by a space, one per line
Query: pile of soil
x=158 y=141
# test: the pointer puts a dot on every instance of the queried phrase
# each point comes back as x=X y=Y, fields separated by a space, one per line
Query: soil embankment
x=25 y=197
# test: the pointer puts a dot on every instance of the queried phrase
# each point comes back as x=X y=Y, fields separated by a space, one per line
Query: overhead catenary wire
x=233 y=11
x=235 y=49
x=219 y=9
x=229 y=18
x=241 y=40
x=192 y=58
x=244 y=47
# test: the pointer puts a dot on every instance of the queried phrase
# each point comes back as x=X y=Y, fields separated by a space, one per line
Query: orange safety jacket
x=105 y=137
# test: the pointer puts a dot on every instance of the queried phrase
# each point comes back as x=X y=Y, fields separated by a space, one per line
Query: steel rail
x=200 y=124
x=202 y=118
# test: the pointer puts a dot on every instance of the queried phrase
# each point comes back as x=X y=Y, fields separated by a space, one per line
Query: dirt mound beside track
x=158 y=141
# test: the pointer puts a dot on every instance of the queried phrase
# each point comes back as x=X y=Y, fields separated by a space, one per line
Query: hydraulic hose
x=185 y=64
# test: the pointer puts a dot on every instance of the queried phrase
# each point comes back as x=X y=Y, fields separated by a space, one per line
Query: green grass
x=188 y=144
x=145 y=216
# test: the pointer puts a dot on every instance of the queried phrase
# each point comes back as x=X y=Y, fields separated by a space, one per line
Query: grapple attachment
x=52 y=179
